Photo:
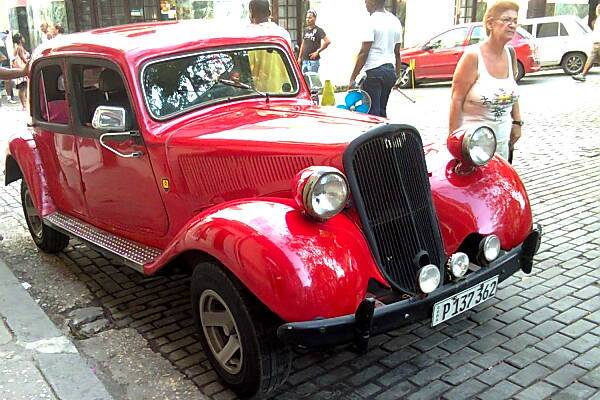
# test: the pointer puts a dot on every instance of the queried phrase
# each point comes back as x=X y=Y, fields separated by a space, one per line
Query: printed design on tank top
x=500 y=103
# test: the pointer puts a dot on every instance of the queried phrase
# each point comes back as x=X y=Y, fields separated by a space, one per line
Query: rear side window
x=53 y=105
x=563 y=30
x=477 y=35
x=528 y=28
x=547 y=29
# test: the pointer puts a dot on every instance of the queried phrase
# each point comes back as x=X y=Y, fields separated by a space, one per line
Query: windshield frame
x=286 y=58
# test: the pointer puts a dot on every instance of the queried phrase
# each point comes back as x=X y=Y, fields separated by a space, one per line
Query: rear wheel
x=572 y=63
x=237 y=333
x=47 y=239
x=405 y=79
x=520 y=71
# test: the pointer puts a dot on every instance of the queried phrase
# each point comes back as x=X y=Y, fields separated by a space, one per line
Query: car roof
x=550 y=19
x=143 y=40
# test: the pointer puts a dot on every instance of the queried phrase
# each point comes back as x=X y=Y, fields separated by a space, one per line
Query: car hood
x=257 y=150
x=411 y=52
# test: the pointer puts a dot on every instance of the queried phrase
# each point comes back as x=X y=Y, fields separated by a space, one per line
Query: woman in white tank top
x=484 y=90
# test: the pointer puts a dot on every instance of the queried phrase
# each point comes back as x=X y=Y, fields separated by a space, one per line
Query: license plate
x=463 y=301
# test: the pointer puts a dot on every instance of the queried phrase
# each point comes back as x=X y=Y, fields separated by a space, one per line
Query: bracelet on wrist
x=517 y=122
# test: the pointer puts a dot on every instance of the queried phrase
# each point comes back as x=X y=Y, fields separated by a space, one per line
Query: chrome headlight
x=490 y=247
x=459 y=264
x=479 y=145
x=321 y=191
x=429 y=278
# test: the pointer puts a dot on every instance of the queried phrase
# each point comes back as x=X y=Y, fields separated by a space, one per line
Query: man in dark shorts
x=314 y=42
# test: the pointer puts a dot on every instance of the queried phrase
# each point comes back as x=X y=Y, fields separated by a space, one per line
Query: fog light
x=459 y=264
x=429 y=278
x=490 y=247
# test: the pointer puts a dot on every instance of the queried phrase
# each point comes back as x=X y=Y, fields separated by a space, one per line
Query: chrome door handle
x=135 y=154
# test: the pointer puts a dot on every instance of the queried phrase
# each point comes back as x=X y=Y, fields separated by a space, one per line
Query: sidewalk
x=36 y=360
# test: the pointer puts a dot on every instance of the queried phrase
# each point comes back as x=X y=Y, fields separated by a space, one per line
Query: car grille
x=388 y=179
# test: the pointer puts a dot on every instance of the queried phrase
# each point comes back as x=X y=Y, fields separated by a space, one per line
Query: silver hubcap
x=574 y=64
x=221 y=332
x=35 y=222
x=405 y=76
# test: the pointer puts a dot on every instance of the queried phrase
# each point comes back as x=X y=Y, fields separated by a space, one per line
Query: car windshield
x=177 y=85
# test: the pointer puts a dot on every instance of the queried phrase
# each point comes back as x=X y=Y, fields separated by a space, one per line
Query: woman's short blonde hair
x=496 y=10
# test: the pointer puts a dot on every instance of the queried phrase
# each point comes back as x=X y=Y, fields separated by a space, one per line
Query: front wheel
x=572 y=63
x=47 y=239
x=237 y=333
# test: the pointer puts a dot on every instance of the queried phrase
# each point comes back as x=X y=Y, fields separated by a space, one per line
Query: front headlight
x=479 y=145
x=321 y=191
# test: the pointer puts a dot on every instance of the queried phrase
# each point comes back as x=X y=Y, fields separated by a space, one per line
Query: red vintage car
x=436 y=59
x=299 y=225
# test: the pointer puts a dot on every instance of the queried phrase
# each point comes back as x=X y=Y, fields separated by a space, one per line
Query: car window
x=174 y=86
x=584 y=27
x=450 y=39
x=477 y=35
x=98 y=86
x=52 y=102
x=528 y=28
x=563 y=30
x=547 y=29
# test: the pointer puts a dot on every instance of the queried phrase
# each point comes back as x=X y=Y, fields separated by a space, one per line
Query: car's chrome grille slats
x=388 y=177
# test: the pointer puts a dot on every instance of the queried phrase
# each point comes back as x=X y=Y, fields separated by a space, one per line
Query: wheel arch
x=12 y=170
x=286 y=260
x=23 y=161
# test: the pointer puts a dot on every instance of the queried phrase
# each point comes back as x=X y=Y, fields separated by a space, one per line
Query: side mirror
x=313 y=81
x=110 y=119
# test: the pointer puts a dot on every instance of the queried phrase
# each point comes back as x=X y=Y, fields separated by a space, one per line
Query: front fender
x=23 y=160
x=491 y=199
x=299 y=268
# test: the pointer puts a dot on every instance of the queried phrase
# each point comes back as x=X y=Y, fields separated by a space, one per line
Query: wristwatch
x=520 y=123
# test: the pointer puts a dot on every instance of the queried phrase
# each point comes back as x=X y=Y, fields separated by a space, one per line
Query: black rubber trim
x=380 y=130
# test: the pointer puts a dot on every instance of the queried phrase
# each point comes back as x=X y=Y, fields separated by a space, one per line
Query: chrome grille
x=388 y=178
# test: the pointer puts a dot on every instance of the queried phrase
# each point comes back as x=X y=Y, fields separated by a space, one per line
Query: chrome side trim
x=132 y=254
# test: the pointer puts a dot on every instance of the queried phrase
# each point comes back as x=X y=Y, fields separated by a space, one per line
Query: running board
x=132 y=254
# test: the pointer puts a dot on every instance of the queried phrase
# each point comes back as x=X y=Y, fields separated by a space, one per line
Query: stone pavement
x=36 y=360
x=539 y=338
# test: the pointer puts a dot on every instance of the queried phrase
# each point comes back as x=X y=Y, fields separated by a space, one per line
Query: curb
x=56 y=358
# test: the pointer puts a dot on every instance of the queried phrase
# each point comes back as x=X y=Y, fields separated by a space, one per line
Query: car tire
x=46 y=238
x=520 y=71
x=405 y=78
x=573 y=63
x=261 y=362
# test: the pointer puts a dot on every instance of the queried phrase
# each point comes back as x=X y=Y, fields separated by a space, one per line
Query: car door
x=441 y=54
x=549 y=44
x=120 y=189
x=54 y=135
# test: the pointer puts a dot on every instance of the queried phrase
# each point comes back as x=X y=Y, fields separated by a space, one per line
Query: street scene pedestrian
x=20 y=61
x=594 y=57
x=45 y=33
x=484 y=90
x=260 y=14
x=265 y=257
x=379 y=56
x=314 y=42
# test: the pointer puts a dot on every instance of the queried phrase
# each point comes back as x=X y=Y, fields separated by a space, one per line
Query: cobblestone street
x=538 y=338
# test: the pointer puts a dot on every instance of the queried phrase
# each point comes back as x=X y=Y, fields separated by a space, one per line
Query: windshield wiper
x=242 y=85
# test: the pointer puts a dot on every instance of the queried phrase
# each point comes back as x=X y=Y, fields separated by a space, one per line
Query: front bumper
x=369 y=321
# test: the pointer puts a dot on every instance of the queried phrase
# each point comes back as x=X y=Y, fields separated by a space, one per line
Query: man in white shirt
x=594 y=57
x=260 y=12
x=379 y=56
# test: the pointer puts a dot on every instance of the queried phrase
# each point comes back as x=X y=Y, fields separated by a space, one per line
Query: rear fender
x=299 y=268
x=23 y=161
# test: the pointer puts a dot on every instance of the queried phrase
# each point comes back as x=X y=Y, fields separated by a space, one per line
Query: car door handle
x=120 y=136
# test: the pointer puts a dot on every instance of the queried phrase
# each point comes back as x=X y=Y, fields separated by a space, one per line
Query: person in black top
x=314 y=42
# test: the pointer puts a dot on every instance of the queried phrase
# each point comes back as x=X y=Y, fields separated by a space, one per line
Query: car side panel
x=297 y=267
